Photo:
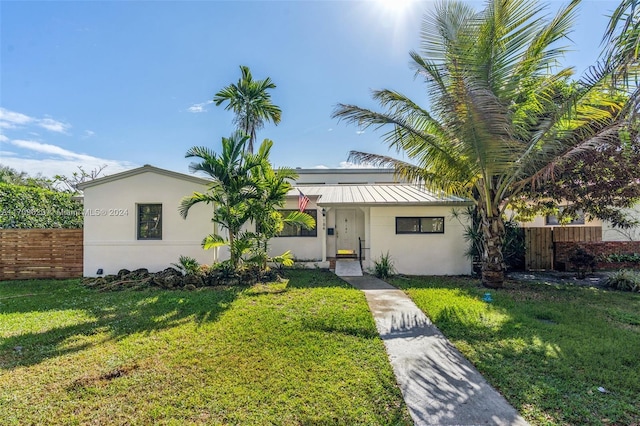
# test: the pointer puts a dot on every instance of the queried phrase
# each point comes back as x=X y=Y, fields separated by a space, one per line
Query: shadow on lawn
x=114 y=314
x=547 y=351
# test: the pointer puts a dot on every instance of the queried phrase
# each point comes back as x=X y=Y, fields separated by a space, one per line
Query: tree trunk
x=493 y=231
x=232 y=254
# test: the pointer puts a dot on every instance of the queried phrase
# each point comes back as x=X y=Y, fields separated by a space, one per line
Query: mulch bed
x=595 y=279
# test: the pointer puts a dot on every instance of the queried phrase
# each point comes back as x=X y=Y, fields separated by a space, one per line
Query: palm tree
x=274 y=186
x=230 y=191
x=250 y=100
x=622 y=54
x=502 y=114
x=623 y=34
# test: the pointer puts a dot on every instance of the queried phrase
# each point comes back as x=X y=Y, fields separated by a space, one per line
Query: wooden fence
x=540 y=243
x=40 y=253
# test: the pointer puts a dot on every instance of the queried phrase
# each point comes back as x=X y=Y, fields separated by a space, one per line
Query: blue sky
x=129 y=83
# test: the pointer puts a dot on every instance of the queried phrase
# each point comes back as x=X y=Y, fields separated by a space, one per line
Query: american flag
x=303 y=200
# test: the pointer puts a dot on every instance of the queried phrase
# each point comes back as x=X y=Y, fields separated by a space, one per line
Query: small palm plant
x=188 y=265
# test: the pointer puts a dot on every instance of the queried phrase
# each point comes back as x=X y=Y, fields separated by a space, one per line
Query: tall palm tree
x=250 y=100
x=501 y=111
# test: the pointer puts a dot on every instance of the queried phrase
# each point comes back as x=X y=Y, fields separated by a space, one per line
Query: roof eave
x=139 y=170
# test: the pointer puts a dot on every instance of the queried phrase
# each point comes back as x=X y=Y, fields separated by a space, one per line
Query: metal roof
x=375 y=194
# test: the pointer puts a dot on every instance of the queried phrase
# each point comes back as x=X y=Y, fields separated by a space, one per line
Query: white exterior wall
x=110 y=241
x=541 y=222
x=303 y=248
x=609 y=233
x=419 y=254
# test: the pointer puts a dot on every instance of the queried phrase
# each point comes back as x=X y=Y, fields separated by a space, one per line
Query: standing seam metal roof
x=375 y=194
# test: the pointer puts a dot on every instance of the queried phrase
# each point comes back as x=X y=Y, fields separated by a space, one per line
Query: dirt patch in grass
x=96 y=380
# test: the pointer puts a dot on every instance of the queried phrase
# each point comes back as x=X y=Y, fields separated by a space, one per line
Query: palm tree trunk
x=232 y=252
x=493 y=231
x=252 y=139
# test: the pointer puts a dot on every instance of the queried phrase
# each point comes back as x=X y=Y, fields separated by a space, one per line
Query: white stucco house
x=132 y=221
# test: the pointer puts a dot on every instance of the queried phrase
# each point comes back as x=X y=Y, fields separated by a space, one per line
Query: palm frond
x=213 y=241
x=187 y=202
x=303 y=220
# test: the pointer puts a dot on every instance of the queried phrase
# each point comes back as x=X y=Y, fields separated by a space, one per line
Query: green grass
x=302 y=353
x=546 y=348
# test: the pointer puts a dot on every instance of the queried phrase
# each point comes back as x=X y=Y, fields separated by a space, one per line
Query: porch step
x=346 y=254
x=348 y=268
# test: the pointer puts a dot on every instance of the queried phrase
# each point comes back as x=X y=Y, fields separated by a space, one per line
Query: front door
x=346 y=238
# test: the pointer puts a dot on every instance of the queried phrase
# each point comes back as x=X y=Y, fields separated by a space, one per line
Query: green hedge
x=34 y=207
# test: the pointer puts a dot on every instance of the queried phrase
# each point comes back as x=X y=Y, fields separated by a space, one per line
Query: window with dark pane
x=432 y=225
x=407 y=225
x=420 y=225
x=290 y=230
x=555 y=220
x=149 y=221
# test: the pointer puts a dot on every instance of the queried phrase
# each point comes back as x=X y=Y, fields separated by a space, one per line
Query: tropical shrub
x=513 y=245
x=383 y=267
x=188 y=265
x=245 y=190
x=625 y=280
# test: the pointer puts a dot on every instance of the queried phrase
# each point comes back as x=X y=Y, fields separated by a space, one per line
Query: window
x=297 y=231
x=149 y=221
x=554 y=220
x=419 y=225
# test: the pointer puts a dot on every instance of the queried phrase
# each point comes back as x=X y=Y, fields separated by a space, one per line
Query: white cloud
x=53 y=125
x=39 y=158
x=359 y=132
x=320 y=166
x=7 y=125
x=46 y=148
x=59 y=161
x=14 y=120
x=10 y=118
x=50 y=167
x=195 y=108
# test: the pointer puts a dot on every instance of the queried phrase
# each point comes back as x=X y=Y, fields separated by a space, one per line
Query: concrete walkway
x=438 y=384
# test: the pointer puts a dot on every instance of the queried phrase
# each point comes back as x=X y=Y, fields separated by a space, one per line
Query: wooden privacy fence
x=40 y=253
x=540 y=243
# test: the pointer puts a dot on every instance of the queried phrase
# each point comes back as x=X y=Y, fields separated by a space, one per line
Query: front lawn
x=302 y=353
x=547 y=348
